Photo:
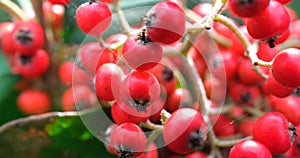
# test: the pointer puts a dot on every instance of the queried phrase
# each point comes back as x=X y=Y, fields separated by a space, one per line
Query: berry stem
x=123 y=22
x=149 y=125
x=217 y=8
x=251 y=50
x=13 y=9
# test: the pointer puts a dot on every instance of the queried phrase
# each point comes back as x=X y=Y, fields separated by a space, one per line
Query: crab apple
x=93 y=18
x=27 y=37
x=128 y=140
x=78 y=97
x=31 y=66
x=285 y=67
x=191 y=131
x=247 y=9
x=167 y=19
x=33 y=101
x=273 y=130
x=142 y=54
x=259 y=26
x=139 y=90
x=249 y=149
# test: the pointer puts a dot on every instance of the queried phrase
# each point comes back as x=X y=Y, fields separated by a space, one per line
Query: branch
x=13 y=9
x=123 y=22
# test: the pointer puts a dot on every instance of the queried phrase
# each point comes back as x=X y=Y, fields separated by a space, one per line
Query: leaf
x=56 y=134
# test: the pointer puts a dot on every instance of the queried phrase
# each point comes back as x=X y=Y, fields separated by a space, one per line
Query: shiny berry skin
x=142 y=54
x=33 y=101
x=107 y=76
x=31 y=66
x=128 y=140
x=139 y=90
x=223 y=126
x=185 y=131
x=285 y=67
x=272 y=130
x=92 y=55
x=93 y=18
x=28 y=36
x=245 y=127
x=277 y=89
x=122 y=113
x=196 y=154
x=54 y=14
x=78 y=97
x=266 y=25
x=249 y=149
x=288 y=106
x=167 y=19
x=62 y=2
x=179 y=98
x=246 y=8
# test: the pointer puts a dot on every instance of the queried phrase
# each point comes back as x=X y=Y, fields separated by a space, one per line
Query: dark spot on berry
x=167 y=74
x=245 y=97
x=149 y=20
x=196 y=139
x=25 y=59
x=217 y=61
x=140 y=104
x=296 y=91
x=143 y=38
x=245 y=2
x=124 y=152
x=298 y=143
x=271 y=41
x=24 y=36
x=292 y=130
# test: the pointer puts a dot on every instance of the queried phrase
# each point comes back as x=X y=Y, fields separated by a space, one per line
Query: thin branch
x=123 y=22
x=13 y=9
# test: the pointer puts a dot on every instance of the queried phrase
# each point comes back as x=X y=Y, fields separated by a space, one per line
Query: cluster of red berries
x=130 y=74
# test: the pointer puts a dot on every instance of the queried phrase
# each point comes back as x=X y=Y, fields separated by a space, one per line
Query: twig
x=217 y=8
x=13 y=9
x=123 y=22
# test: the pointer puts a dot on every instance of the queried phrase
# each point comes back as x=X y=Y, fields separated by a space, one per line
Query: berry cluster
x=181 y=83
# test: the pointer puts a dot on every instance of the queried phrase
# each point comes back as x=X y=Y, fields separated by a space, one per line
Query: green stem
x=13 y=9
x=216 y=10
x=123 y=22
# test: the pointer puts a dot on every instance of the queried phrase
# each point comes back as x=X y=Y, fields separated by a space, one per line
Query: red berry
x=151 y=152
x=78 y=97
x=31 y=66
x=139 y=90
x=166 y=19
x=128 y=140
x=179 y=98
x=6 y=30
x=185 y=131
x=196 y=154
x=285 y=67
x=32 y=101
x=272 y=130
x=246 y=126
x=108 y=76
x=65 y=72
x=27 y=37
x=223 y=126
x=249 y=149
x=284 y=1
x=93 y=18
x=62 y=2
x=165 y=76
x=277 y=89
x=244 y=94
x=203 y=8
x=247 y=9
x=266 y=25
x=92 y=56
x=142 y=54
